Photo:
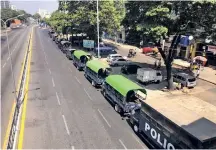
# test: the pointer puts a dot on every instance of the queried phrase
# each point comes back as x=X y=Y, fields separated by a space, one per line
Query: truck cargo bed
x=196 y=117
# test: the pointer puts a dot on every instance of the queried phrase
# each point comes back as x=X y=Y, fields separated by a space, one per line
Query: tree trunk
x=169 y=76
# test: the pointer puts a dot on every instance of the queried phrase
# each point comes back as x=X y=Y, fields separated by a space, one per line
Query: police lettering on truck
x=162 y=141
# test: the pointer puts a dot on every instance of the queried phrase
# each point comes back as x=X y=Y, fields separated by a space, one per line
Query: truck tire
x=117 y=108
x=93 y=83
x=104 y=93
x=135 y=128
x=158 y=81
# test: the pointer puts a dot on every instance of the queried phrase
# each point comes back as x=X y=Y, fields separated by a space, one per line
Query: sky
x=32 y=6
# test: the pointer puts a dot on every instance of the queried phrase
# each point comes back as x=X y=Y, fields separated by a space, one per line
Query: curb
x=207 y=81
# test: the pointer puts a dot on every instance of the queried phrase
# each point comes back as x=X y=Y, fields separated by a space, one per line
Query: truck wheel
x=158 y=81
x=93 y=83
x=117 y=108
x=135 y=128
x=104 y=93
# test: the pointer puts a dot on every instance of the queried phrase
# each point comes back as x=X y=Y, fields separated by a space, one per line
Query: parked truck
x=147 y=75
x=176 y=123
x=123 y=93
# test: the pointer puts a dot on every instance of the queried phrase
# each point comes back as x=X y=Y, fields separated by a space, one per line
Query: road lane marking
x=104 y=118
x=72 y=147
x=138 y=141
x=88 y=94
x=50 y=71
x=22 y=126
x=70 y=69
x=4 y=65
x=65 y=123
x=58 y=98
x=53 y=83
x=6 y=137
x=122 y=144
x=77 y=80
x=8 y=58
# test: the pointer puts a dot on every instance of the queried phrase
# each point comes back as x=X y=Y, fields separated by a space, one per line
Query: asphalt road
x=18 y=43
x=67 y=112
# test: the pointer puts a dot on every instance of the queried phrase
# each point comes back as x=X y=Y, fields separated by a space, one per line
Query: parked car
x=119 y=62
x=147 y=75
x=130 y=69
x=111 y=57
x=184 y=79
x=148 y=48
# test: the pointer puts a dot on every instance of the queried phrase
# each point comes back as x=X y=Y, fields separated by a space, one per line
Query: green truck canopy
x=122 y=84
x=79 y=53
x=95 y=65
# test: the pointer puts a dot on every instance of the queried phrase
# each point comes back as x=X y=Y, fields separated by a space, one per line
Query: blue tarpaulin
x=184 y=41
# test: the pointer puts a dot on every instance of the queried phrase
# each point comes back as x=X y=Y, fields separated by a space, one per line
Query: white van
x=147 y=75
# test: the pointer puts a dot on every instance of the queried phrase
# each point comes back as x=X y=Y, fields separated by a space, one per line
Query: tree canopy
x=9 y=13
x=151 y=20
x=83 y=14
x=36 y=16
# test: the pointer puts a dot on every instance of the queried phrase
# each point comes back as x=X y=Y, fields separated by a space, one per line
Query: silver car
x=119 y=62
x=185 y=79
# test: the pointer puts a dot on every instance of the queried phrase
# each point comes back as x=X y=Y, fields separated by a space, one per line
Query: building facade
x=44 y=13
x=5 y=4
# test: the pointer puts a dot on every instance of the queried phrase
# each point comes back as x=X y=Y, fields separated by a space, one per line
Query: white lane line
x=8 y=58
x=70 y=69
x=104 y=118
x=4 y=65
x=58 y=98
x=50 y=71
x=66 y=127
x=53 y=83
x=87 y=94
x=138 y=141
x=122 y=144
x=72 y=147
x=77 y=80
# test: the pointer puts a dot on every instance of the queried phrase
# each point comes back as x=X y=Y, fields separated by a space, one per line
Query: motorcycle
x=131 y=53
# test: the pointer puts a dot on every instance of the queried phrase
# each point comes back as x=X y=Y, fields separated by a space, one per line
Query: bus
x=123 y=93
x=80 y=58
x=96 y=72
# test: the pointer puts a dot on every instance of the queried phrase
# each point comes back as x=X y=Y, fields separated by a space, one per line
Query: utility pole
x=98 y=30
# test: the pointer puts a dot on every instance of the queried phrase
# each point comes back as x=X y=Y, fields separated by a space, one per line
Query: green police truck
x=123 y=93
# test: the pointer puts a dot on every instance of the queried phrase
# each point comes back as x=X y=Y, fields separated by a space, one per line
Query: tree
x=8 y=13
x=156 y=19
x=83 y=14
x=36 y=16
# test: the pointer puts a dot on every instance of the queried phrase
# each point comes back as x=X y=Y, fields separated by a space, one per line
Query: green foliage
x=36 y=16
x=83 y=15
x=8 y=13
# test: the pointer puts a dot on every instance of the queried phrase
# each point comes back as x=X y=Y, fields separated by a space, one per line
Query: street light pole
x=98 y=30
x=8 y=47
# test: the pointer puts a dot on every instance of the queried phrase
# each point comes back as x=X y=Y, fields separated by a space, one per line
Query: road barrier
x=19 y=100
